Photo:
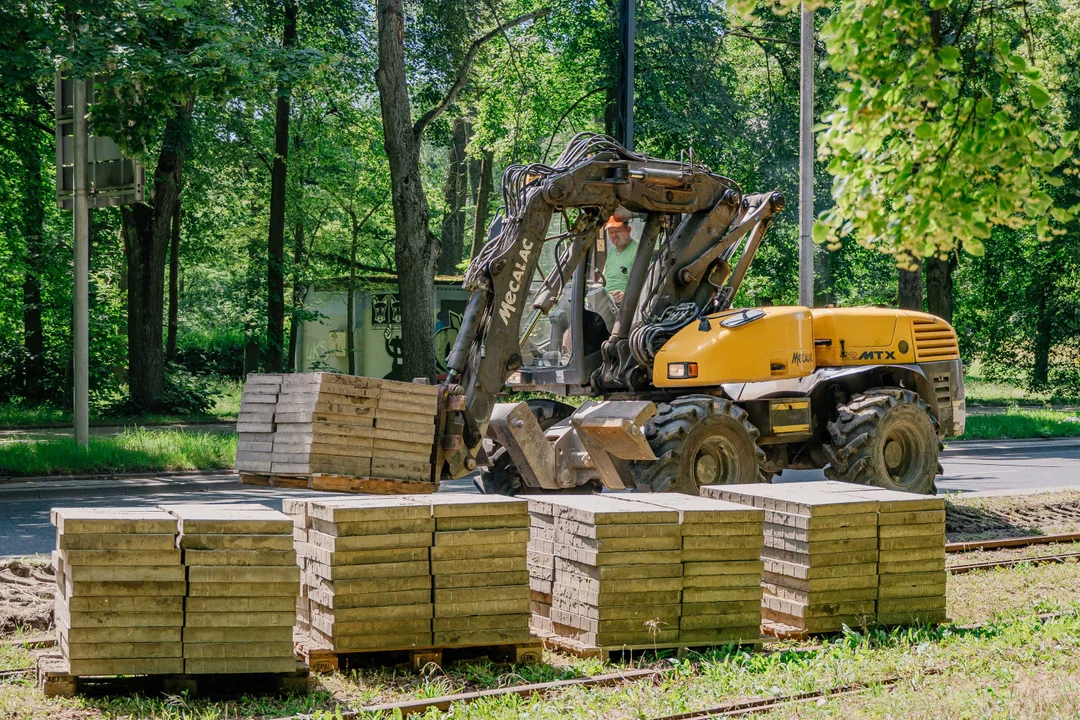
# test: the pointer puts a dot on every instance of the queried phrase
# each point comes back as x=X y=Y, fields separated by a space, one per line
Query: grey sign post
x=90 y=172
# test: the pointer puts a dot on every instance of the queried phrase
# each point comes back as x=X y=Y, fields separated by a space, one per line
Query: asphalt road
x=969 y=467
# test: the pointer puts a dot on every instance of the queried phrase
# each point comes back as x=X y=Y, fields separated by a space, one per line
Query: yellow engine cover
x=880 y=336
x=770 y=343
x=774 y=343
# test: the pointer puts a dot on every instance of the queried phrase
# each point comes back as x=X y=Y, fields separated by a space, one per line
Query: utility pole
x=624 y=86
x=81 y=315
x=806 y=158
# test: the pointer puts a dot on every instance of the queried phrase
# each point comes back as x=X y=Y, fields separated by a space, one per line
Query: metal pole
x=806 y=158
x=81 y=317
x=625 y=84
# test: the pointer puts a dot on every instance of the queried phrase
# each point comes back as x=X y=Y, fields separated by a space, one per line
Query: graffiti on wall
x=386 y=316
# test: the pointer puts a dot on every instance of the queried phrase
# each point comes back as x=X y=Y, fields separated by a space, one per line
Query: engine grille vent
x=934 y=340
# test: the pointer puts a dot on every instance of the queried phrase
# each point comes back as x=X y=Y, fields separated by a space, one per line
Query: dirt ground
x=1011 y=516
x=27 y=588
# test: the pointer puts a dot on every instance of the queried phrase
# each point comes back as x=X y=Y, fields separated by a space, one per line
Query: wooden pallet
x=54 y=680
x=325 y=660
x=342 y=483
x=609 y=652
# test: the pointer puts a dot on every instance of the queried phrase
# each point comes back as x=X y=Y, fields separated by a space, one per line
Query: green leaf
x=950 y=57
x=924 y=131
x=984 y=107
x=1061 y=214
x=853 y=142
x=1039 y=96
x=938 y=4
x=820 y=232
x=974 y=247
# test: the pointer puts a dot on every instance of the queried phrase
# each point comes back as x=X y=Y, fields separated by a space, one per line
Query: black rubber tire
x=885 y=437
x=502 y=476
x=694 y=435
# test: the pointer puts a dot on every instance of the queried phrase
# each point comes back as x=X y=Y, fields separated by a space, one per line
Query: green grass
x=982 y=391
x=133 y=450
x=226 y=406
x=1015 y=666
x=1017 y=423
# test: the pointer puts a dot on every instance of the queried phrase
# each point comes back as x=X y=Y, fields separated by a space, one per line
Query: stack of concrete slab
x=404 y=431
x=911 y=554
x=820 y=554
x=119 y=606
x=297 y=511
x=541 y=562
x=325 y=424
x=618 y=572
x=366 y=572
x=243 y=582
x=478 y=567
x=255 y=422
x=722 y=568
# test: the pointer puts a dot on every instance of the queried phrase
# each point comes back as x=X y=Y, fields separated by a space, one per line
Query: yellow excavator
x=679 y=389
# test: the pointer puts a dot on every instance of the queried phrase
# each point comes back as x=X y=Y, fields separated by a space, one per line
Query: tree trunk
x=350 y=311
x=939 y=286
x=415 y=249
x=275 y=273
x=297 y=296
x=1040 y=371
x=146 y=243
x=33 y=217
x=174 y=284
x=483 y=195
x=910 y=290
x=456 y=194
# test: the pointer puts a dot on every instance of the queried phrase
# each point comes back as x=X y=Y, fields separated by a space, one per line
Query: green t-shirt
x=617 y=266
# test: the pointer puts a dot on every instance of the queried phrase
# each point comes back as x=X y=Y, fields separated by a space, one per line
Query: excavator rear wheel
x=699 y=440
x=885 y=437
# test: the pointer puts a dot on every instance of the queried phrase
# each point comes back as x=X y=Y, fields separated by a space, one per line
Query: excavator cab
x=682 y=389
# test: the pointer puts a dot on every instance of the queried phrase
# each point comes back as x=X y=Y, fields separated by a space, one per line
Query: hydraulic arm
x=696 y=221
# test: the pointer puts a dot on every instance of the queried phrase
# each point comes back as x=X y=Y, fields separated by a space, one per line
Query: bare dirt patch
x=27 y=589
x=1011 y=516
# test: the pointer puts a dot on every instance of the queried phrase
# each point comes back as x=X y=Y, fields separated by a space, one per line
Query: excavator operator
x=621 y=249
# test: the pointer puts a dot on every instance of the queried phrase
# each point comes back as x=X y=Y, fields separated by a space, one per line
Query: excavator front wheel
x=885 y=437
x=699 y=440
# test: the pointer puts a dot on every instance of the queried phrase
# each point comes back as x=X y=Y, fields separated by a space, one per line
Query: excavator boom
x=696 y=220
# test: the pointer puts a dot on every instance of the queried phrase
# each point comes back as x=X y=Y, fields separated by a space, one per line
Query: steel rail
x=1061 y=558
x=1011 y=542
x=760 y=705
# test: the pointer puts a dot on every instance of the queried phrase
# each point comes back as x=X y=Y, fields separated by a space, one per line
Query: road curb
x=963 y=447
x=151 y=475
x=100 y=488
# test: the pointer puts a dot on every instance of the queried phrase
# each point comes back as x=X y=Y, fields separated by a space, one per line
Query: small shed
x=322 y=342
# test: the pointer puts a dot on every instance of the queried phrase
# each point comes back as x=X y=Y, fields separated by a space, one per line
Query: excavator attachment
x=587 y=447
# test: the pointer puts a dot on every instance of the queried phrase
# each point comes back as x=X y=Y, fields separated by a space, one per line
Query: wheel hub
x=716 y=462
x=894 y=454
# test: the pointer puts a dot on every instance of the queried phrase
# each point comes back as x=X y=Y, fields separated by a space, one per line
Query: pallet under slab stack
x=119 y=606
x=820 y=556
x=242 y=584
x=722 y=568
x=618 y=575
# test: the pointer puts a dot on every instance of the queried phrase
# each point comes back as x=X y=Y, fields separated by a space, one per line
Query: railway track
x=736 y=708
